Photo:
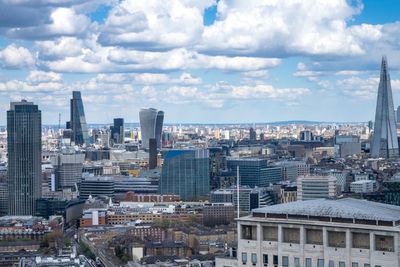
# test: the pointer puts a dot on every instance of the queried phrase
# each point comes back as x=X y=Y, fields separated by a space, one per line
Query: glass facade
x=78 y=121
x=117 y=131
x=24 y=133
x=186 y=173
x=147 y=117
x=159 y=127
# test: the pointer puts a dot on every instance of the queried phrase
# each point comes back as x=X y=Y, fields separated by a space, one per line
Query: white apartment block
x=320 y=233
x=316 y=187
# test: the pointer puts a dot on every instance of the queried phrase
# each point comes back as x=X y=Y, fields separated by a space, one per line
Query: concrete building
x=68 y=167
x=363 y=186
x=293 y=169
x=321 y=233
x=24 y=144
x=316 y=187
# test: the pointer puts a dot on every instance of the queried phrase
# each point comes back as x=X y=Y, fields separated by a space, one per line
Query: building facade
x=24 y=132
x=185 y=172
x=117 y=131
x=316 y=187
x=78 y=121
x=321 y=233
x=147 y=117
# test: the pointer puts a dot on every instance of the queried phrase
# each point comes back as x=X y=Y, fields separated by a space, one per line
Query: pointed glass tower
x=384 y=142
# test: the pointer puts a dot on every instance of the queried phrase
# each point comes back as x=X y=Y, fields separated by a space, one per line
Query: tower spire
x=384 y=143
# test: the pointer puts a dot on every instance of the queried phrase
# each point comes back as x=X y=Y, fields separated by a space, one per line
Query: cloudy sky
x=199 y=61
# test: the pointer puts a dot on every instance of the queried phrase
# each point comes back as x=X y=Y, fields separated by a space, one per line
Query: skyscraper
x=24 y=130
x=185 y=172
x=78 y=120
x=159 y=127
x=117 y=131
x=151 y=123
x=152 y=153
x=384 y=142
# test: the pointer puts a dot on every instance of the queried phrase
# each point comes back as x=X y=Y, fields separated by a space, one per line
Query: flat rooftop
x=347 y=210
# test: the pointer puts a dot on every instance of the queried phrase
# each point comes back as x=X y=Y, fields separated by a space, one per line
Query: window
x=296 y=262
x=285 y=261
x=320 y=263
x=331 y=263
x=354 y=264
x=360 y=240
x=270 y=233
x=254 y=258
x=244 y=257
x=249 y=232
x=342 y=264
x=314 y=237
x=276 y=260
x=291 y=235
x=337 y=239
x=308 y=262
x=367 y=265
x=265 y=259
x=384 y=243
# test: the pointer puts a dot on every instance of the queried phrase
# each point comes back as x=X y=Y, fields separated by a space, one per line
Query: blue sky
x=199 y=61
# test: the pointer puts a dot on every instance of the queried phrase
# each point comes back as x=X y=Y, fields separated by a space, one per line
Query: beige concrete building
x=320 y=233
x=316 y=187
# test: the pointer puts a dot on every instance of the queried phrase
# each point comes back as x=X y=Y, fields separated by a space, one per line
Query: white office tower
x=316 y=187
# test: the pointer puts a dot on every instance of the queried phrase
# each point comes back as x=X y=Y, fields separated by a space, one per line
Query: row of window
x=296 y=261
x=337 y=239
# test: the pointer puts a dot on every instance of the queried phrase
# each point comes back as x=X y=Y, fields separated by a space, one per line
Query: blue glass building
x=185 y=172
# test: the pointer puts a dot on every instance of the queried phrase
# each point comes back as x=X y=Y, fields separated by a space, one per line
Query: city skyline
x=229 y=66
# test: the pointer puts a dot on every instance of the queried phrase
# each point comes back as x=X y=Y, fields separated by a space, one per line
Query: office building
x=159 y=128
x=96 y=186
x=249 y=198
x=293 y=169
x=152 y=153
x=347 y=145
x=218 y=213
x=252 y=135
x=254 y=171
x=363 y=186
x=185 y=172
x=147 y=117
x=117 y=131
x=306 y=136
x=24 y=130
x=68 y=165
x=78 y=121
x=316 y=187
x=321 y=233
x=384 y=141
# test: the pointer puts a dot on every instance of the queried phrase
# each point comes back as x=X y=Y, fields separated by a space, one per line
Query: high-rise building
x=147 y=117
x=185 y=172
x=117 y=131
x=24 y=133
x=78 y=121
x=252 y=135
x=320 y=233
x=159 y=127
x=152 y=153
x=68 y=166
x=384 y=142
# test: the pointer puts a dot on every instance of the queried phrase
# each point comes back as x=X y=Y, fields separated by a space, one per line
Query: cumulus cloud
x=16 y=57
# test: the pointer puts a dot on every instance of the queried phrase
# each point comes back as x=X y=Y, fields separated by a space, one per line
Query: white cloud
x=16 y=57
x=36 y=77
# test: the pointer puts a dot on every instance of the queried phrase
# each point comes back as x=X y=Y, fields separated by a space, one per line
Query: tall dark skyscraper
x=24 y=133
x=159 y=127
x=384 y=142
x=253 y=135
x=151 y=123
x=185 y=172
x=152 y=153
x=117 y=131
x=78 y=121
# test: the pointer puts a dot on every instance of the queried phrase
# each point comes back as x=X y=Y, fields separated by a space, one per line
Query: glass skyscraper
x=185 y=172
x=78 y=121
x=117 y=131
x=24 y=123
x=384 y=142
x=151 y=124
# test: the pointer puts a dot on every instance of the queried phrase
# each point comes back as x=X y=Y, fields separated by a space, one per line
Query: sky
x=206 y=61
